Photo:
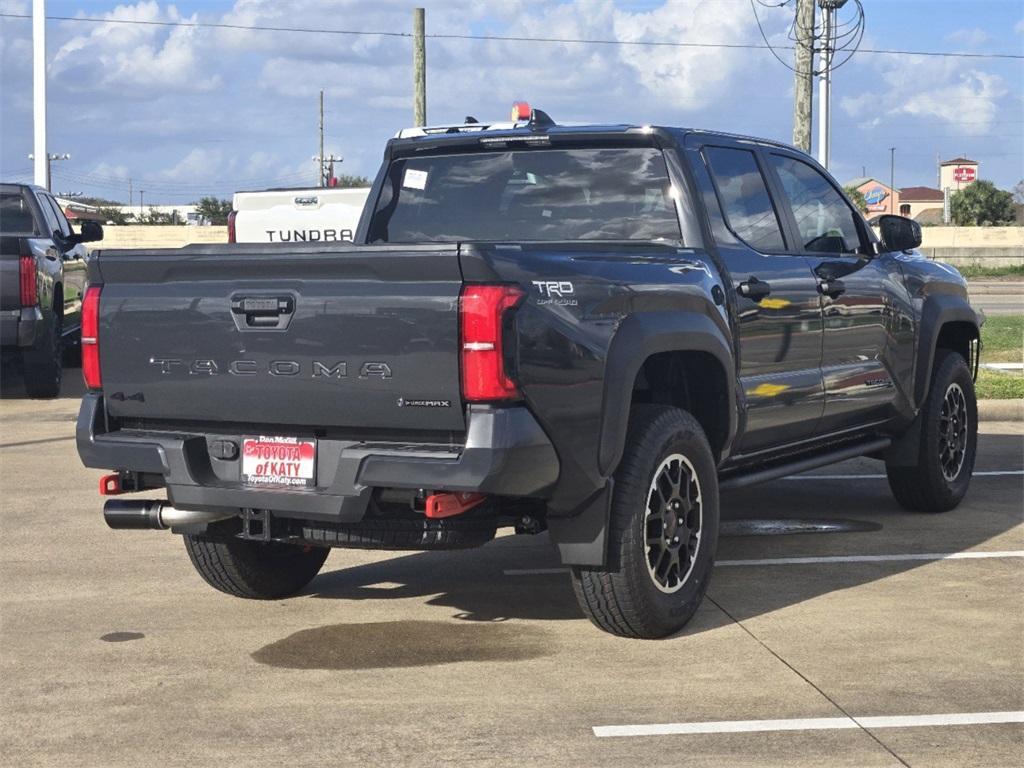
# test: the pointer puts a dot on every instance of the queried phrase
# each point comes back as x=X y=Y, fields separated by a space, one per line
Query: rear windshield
x=15 y=214
x=530 y=194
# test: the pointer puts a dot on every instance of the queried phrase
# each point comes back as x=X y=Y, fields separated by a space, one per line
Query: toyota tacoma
x=588 y=330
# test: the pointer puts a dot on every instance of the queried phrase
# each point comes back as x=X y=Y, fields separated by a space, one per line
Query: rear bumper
x=20 y=327
x=506 y=453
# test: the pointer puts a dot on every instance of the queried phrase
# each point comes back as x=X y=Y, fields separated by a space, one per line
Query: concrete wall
x=972 y=237
x=143 y=236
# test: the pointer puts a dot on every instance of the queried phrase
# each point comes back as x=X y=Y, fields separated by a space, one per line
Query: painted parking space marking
x=809 y=724
x=871 y=558
x=999 y=473
x=894 y=558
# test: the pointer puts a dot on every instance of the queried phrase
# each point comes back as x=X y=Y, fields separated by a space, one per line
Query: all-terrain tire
x=949 y=441
x=43 y=364
x=254 y=569
x=643 y=592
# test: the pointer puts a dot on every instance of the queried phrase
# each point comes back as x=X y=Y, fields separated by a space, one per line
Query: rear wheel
x=44 y=363
x=254 y=569
x=663 y=529
x=949 y=441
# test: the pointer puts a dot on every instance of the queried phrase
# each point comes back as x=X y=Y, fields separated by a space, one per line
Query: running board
x=802 y=465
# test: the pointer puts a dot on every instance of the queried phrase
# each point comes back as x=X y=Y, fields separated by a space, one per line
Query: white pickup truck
x=296 y=215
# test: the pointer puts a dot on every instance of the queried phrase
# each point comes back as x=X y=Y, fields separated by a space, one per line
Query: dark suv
x=42 y=278
x=588 y=330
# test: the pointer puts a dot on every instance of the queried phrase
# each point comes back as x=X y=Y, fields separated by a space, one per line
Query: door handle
x=266 y=312
x=831 y=288
x=754 y=289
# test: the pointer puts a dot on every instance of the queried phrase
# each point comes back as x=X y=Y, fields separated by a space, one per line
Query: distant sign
x=964 y=174
x=875 y=198
x=875 y=195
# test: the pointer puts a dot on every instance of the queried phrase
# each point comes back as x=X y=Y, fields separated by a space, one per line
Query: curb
x=994 y=287
x=1001 y=410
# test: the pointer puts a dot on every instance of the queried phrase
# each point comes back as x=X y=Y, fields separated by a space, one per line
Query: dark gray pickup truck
x=588 y=330
x=42 y=276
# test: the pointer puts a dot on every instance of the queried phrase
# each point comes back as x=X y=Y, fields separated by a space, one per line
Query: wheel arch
x=947 y=322
x=668 y=358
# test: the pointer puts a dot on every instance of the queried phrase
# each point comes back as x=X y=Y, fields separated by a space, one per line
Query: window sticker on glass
x=414 y=179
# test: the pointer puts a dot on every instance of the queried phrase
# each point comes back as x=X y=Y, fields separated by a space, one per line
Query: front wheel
x=254 y=569
x=949 y=441
x=663 y=529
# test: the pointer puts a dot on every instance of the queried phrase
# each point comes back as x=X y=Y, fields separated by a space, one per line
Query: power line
x=494 y=38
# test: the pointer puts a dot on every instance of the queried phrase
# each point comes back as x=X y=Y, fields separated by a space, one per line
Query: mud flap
x=906 y=449
x=582 y=538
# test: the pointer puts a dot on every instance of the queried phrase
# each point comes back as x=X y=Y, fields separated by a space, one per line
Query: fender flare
x=938 y=310
x=649 y=333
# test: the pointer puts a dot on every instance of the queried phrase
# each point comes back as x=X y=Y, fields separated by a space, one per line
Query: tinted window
x=15 y=214
x=62 y=221
x=551 y=194
x=52 y=225
x=743 y=195
x=824 y=221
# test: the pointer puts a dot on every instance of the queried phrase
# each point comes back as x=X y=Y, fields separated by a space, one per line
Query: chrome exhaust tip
x=154 y=514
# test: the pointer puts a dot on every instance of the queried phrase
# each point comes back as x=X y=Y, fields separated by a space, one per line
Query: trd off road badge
x=556 y=292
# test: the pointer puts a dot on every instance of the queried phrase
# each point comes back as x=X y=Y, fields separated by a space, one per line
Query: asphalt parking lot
x=114 y=652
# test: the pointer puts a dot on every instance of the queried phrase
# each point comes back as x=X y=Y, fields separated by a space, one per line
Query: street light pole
x=828 y=21
x=41 y=163
x=892 y=179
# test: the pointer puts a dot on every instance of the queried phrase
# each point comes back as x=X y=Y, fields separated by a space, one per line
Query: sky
x=185 y=112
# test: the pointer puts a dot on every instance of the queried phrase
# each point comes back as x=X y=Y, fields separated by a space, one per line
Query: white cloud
x=943 y=91
x=969 y=38
x=137 y=56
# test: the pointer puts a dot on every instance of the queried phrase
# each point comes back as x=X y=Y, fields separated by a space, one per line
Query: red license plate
x=279 y=461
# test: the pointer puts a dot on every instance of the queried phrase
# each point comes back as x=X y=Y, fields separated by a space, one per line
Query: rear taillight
x=91 y=338
x=231 y=227
x=27 y=278
x=481 y=313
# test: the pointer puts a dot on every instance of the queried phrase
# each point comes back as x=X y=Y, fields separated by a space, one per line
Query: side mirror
x=92 y=232
x=899 y=233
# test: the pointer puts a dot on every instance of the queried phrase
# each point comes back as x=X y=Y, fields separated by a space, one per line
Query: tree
x=115 y=215
x=351 y=181
x=857 y=198
x=214 y=210
x=981 y=204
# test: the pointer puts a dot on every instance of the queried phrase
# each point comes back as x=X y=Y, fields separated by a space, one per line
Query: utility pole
x=41 y=163
x=828 y=10
x=803 y=76
x=892 y=179
x=130 y=195
x=141 y=193
x=419 y=67
x=321 y=155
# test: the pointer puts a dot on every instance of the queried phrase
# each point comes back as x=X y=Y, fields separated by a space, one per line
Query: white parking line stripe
x=1000 y=473
x=810 y=560
x=871 y=558
x=809 y=724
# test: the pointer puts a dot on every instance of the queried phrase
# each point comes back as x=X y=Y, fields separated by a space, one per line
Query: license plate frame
x=278 y=461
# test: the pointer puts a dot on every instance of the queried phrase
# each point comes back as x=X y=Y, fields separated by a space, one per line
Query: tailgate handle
x=262 y=312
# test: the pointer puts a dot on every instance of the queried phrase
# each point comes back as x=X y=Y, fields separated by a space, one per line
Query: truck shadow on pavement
x=474 y=584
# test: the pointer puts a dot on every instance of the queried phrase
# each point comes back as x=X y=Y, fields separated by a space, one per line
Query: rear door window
x=15 y=214
x=743 y=195
x=62 y=221
x=527 y=195
x=825 y=222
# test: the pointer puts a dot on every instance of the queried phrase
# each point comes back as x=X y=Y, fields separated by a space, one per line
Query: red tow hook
x=110 y=485
x=441 y=505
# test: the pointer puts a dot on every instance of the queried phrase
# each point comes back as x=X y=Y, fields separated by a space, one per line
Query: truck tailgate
x=309 y=336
